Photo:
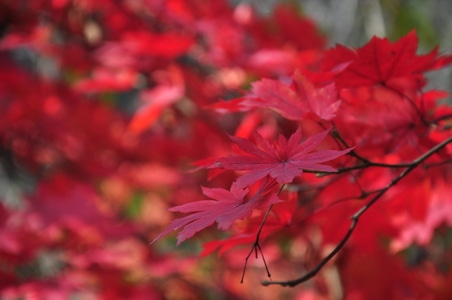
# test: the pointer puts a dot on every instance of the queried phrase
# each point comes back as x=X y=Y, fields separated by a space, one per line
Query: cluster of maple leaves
x=108 y=104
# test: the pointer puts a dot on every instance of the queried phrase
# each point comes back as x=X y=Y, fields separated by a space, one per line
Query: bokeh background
x=102 y=113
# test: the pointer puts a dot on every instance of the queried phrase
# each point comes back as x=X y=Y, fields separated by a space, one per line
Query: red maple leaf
x=168 y=45
x=281 y=217
x=294 y=103
x=431 y=208
x=226 y=207
x=381 y=62
x=104 y=80
x=274 y=94
x=321 y=101
x=282 y=160
x=170 y=89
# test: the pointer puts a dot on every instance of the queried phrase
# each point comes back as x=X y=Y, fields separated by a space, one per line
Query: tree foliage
x=124 y=121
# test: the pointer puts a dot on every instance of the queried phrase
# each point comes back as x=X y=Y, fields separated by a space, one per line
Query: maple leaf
x=225 y=207
x=294 y=103
x=281 y=217
x=431 y=208
x=282 y=160
x=168 y=45
x=290 y=22
x=383 y=62
x=274 y=94
x=322 y=101
x=104 y=79
x=170 y=90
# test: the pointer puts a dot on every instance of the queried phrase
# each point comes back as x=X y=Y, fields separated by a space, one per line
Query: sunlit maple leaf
x=321 y=101
x=223 y=107
x=290 y=23
x=225 y=207
x=168 y=45
x=296 y=102
x=274 y=94
x=383 y=62
x=104 y=79
x=282 y=160
x=156 y=100
x=432 y=208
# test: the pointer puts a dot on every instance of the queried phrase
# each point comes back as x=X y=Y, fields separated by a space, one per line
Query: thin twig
x=437 y=164
x=256 y=246
x=355 y=218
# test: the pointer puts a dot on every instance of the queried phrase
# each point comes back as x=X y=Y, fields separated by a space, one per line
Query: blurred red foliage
x=106 y=104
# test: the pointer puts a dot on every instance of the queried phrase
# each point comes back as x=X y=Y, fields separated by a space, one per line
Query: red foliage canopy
x=106 y=104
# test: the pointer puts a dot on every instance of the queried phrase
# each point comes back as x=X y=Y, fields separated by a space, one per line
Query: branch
x=441 y=118
x=355 y=218
x=365 y=161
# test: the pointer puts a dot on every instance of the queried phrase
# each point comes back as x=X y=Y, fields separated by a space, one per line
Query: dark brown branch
x=364 y=165
x=365 y=162
x=355 y=218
